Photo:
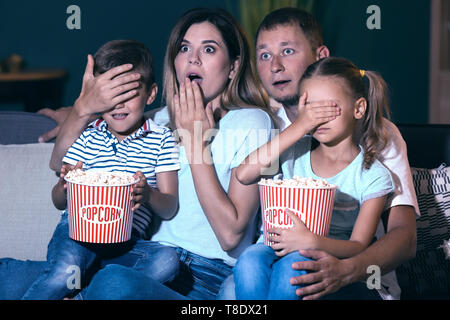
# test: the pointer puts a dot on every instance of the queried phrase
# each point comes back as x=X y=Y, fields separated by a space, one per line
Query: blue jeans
x=246 y=270
x=199 y=278
x=68 y=259
x=16 y=276
x=260 y=274
x=353 y=291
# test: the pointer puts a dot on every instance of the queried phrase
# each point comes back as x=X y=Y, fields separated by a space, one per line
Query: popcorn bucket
x=99 y=214
x=313 y=205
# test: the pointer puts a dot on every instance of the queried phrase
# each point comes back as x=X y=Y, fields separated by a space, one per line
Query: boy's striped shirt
x=151 y=149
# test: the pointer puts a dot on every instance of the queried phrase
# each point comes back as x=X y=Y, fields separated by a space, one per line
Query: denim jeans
x=199 y=278
x=260 y=274
x=66 y=258
x=16 y=276
x=228 y=291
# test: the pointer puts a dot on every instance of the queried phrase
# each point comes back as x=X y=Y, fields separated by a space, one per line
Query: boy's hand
x=289 y=240
x=141 y=191
x=59 y=191
x=313 y=114
x=105 y=91
x=65 y=170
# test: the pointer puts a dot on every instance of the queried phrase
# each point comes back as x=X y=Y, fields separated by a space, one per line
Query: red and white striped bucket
x=99 y=214
x=314 y=206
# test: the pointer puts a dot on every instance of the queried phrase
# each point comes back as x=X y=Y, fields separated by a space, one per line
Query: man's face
x=282 y=56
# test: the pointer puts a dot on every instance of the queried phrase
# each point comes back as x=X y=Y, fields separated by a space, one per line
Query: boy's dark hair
x=285 y=16
x=117 y=52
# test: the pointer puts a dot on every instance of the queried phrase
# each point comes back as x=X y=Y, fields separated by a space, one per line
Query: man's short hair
x=118 y=52
x=285 y=16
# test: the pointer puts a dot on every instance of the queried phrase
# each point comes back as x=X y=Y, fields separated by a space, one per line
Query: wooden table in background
x=36 y=89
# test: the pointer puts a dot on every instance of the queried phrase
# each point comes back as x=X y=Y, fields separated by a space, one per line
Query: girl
x=209 y=86
x=363 y=183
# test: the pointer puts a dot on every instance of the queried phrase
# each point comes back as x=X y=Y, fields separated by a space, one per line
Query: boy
x=122 y=140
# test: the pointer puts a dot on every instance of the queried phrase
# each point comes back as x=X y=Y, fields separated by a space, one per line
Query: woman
x=220 y=114
x=208 y=64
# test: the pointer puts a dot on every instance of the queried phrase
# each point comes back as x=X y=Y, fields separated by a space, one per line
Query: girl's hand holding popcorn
x=296 y=238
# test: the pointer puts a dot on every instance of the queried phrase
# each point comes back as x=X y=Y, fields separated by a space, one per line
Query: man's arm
x=59 y=116
x=329 y=274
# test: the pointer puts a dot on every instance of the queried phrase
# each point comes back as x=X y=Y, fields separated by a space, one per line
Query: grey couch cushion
x=427 y=275
x=27 y=215
x=18 y=127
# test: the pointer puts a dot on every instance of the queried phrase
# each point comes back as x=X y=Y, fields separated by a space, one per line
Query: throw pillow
x=428 y=274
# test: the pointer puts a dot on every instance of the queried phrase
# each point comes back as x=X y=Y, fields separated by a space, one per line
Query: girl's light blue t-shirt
x=239 y=133
x=355 y=185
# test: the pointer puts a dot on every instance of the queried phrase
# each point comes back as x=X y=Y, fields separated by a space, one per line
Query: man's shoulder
x=160 y=116
x=395 y=145
x=391 y=128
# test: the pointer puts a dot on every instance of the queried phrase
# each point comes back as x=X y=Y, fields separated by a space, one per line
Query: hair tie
x=362 y=73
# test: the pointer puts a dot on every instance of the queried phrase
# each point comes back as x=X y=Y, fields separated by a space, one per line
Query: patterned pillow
x=428 y=274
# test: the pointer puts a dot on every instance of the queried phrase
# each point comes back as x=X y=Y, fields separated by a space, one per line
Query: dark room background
x=37 y=31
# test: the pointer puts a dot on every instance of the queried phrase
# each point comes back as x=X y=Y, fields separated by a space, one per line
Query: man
x=287 y=42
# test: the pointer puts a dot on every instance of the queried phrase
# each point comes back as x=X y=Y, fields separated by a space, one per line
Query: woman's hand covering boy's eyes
x=103 y=92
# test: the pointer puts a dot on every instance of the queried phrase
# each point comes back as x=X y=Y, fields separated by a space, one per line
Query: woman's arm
x=229 y=212
x=164 y=200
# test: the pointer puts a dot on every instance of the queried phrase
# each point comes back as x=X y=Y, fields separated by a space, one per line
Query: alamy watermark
x=74 y=280
x=74 y=20
x=374 y=20
x=246 y=140
x=374 y=280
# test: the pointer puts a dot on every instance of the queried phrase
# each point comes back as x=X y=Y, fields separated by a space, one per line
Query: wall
x=399 y=51
x=37 y=31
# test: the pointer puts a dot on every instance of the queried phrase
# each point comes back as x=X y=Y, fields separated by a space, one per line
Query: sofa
x=427 y=276
x=28 y=218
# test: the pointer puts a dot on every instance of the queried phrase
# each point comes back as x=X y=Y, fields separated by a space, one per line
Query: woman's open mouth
x=195 y=77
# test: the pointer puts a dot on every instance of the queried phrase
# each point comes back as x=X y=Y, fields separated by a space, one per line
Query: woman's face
x=203 y=57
